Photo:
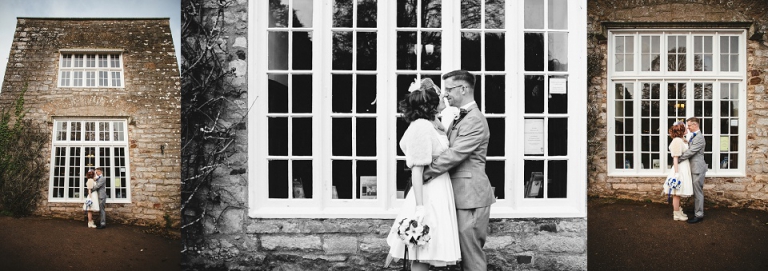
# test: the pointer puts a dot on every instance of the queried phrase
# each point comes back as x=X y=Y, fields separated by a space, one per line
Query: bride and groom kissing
x=450 y=190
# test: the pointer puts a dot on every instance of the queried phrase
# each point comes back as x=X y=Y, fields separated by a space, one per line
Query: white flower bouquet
x=413 y=233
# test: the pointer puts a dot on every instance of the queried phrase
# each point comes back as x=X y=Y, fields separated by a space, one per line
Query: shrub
x=22 y=161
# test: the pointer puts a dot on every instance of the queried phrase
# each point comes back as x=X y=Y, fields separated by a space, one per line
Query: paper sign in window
x=725 y=143
x=558 y=86
x=534 y=136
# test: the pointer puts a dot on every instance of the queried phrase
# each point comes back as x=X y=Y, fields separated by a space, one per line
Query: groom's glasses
x=448 y=89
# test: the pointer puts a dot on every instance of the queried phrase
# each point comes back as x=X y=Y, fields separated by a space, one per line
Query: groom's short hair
x=694 y=120
x=462 y=75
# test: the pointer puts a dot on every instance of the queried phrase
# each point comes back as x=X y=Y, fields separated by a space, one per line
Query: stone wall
x=227 y=239
x=750 y=191
x=150 y=101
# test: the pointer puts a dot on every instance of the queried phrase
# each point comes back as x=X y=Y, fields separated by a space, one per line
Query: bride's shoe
x=680 y=216
x=91 y=224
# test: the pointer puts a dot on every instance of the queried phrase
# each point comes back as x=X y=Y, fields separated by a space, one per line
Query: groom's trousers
x=698 y=193
x=473 y=228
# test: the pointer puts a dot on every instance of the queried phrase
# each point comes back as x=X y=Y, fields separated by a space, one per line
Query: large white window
x=324 y=129
x=90 y=70
x=83 y=144
x=657 y=77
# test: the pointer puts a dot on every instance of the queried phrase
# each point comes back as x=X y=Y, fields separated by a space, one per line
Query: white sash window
x=89 y=70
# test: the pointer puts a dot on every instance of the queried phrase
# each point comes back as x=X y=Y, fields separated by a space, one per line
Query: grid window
x=710 y=91
x=90 y=70
x=624 y=59
x=649 y=53
x=80 y=145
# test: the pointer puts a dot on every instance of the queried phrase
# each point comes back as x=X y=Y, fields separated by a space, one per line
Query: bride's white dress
x=420 y=143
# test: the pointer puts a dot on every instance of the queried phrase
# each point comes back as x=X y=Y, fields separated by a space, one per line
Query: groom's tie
x=462 y=113
x=691 y=140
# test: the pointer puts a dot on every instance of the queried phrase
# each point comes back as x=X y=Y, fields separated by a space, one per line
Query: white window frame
x=690 y=77
x=96 y=70
x=96 y=143
x=387 y=205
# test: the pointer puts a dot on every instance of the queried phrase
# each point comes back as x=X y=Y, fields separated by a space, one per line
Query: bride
x=431 y=203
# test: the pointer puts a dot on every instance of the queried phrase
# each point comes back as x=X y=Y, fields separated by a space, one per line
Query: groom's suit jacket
x=695 y=154
x=101 y=187
x=464 y=160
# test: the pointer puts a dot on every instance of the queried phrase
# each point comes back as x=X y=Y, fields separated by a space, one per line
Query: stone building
x=657 y=61
x=313 y=176
x=109 y=92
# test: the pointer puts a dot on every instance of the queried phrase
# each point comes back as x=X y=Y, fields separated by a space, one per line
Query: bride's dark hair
x=422 y=103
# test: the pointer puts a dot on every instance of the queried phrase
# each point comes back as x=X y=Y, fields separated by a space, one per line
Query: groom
x=101 y=187
x=695 y=154
x=465 y=161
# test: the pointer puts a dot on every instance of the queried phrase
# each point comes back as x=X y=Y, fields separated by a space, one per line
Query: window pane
x=557 y=181
x=366 y=137
x=367 y=13
x=61 y=130
x=115 y=61
x=74 y=173
x=77 y=79
x=494 y=52
x=558 y=137
x=406 y=13
x=75 y=131
x=497 y=177
x=278 y=14
x=103 y=78
x=433 y=60
x=66 y=60
x=78 y=62
x=431 y=13
x=534 y=52
x=278 y=50
x=302 y=51
x=65 y=78
x=342 y=93
x=59 y=173
x=496 y=142
x=400 y=130
x=406 y=57
x=302 y=179
x=558 y=14
x=105 y=161
x=116 y=79
x=90 y=131
x=494 y=93
x=367 y=186
x=277 y=93
x=119 y=131
x=533 y=174
x=278 y=136
x=302 y=137
x=302 y=13
x=121 y=184
x=403 y=175
x=470 y=14
x=534 y=94
x=366 y=50
x=558 y=103
x=342 y=50
x=90 y=61
x=403 y=82
x=494 y=14
x=278 y=179
x=102 y=61
x=342 y=13
x=341 y=129
x=90 y=79
x=342 y=179
x=534 y=14
x=301 y=93
x=470 y=51
x=366 y=94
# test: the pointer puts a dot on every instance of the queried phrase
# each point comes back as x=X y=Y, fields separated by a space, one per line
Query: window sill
x=378 y=213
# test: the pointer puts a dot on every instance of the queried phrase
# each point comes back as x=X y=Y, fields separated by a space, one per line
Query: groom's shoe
x=101 y=227
x=696 y=219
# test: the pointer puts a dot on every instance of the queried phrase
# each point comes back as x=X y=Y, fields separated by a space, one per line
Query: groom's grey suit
x=101 y=187
x=464 y=160
x=695 y=156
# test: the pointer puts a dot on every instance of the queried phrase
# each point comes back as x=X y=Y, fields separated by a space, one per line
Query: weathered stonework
x=750 y=191
x=233 y=241
x=150 y=100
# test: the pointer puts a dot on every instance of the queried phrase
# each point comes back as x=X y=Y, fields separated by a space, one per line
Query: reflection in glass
x=400 y=130
x=403 y=175
x=278 y=179
x=496 y=142
x=301 y=93
x=342 y=13
x=702 y=48
x=342 y=179
x=470 y=14
x=302 y=13
x=431 y=61
x=533 y=174
x=406 y=13
x=341 y=129
x=366 y=94
x=278 y=50
x=558 y=14
x=366 y=50
x=558 y=137
x=406 y=58
x=558 y=51
x=366 y=13
x=277 y=93
x=278 y=136
x=431 y=13
x=302 y=137
x=534 y=94
x=534 y=14
x=278 y=14
x=557 y=183
x=366 y=137
x=494 y=14
x=367 y=185
x=558 y=103
x=342 y=93
x=534 y=52
x=302 y=51
x=302 y=179
x=403 y=82
x=494 y=51
x=650 y=53
x=495 y=172
x=676 y=48
x=494 y=93
x=470 y=51
x=342 y=50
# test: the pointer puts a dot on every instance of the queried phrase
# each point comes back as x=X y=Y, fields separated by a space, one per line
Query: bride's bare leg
x=90 y=216
x=676 y=203
x=417 y=266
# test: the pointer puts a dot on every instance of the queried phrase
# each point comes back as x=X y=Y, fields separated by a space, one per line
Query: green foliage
x=22 y=161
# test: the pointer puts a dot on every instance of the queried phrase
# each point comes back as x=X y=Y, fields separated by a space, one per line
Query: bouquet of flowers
x=413 y=233
x=673 y=183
